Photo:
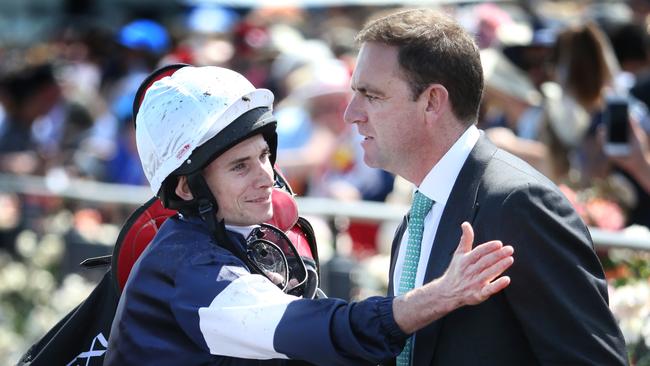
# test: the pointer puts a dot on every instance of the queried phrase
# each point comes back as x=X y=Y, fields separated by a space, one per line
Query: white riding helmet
x=191 y=115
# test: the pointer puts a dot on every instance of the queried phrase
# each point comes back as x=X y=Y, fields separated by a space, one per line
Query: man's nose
x=353 y=112
x=265 y=175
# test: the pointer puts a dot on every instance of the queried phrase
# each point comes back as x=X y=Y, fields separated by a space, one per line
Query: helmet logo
x=183 y=150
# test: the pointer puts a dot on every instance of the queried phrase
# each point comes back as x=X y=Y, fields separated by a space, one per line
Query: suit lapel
x=461 y=206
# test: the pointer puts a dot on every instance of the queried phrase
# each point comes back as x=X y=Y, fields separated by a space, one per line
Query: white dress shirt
x=437 y=186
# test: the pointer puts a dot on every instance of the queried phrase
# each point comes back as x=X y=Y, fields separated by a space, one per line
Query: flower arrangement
x=596 y=206
x=34 y=294
x=628 y=275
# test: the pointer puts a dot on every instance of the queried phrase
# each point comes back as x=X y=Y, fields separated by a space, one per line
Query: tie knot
x=421 y=205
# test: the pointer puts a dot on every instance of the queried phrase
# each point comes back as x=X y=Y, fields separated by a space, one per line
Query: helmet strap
x=207 y=208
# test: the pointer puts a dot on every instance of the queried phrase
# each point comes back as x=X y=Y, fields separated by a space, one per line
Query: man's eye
x=371 y=97
x=239 y=167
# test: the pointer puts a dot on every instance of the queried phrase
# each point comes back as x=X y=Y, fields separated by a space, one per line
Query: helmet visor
x=271 y=251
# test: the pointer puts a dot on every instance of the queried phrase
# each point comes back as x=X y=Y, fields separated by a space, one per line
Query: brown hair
x=582 y=50
x=433 y=48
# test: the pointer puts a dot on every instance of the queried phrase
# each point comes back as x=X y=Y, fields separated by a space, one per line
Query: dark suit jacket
x=555 y=311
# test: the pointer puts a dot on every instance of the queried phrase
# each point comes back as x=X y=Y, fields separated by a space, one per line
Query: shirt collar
x=242 y=230
x=440 y=180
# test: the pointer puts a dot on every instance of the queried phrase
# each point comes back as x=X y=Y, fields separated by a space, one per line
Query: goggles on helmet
x=274 y=256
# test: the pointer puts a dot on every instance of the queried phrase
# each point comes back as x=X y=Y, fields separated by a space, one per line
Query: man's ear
x=183 y=189
x=437 y=101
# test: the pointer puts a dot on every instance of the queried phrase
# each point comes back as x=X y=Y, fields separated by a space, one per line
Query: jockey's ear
x=183 y=189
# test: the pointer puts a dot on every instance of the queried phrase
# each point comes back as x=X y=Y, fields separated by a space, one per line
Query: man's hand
x=469 y=280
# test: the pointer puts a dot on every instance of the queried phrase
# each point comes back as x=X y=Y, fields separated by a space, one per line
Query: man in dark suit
x=417 y=89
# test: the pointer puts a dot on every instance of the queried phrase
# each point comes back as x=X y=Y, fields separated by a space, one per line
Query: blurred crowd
x=550 y=69
x=546 y=100
x=65 y=100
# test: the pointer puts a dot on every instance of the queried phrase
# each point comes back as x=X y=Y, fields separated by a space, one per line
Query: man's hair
x=582 y=52
x=433 y=49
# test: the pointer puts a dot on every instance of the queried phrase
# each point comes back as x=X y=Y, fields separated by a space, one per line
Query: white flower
x=26 y=243
x=12 y=346
x=13 y=277
x=59 y=223
x=618 y=255
x=630 y=305
x=49 y=251
x=41 y=319
x=41 y=285
x=73 y=291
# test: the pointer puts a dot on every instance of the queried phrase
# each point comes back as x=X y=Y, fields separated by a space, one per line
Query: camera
x=616 y=121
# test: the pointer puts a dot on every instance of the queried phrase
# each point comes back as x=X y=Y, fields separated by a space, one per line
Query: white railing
x=60 y=185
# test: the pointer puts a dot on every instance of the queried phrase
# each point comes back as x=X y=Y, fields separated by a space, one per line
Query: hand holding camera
x=617 y=122
x=627 y=146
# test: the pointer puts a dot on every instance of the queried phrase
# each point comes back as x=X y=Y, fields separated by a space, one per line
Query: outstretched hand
x=470 y=279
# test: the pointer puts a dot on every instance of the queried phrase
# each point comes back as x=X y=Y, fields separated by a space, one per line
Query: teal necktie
x=419 y=209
